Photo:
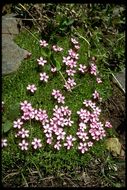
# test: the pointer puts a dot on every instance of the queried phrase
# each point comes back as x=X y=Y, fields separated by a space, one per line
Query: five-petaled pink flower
x=74 y=41
x=23 y=145
x=83 y=147
x=36 y=143
x=3 y=142
x=57 y=145
x=18 y=124
x=69 y=141
x=43 y=43
x=98 y=80
x=70 y=72
x=108 y=124
x=41 y=61
x=93 y=69
x=32 y=88
x=44 y=77
x=96 y=95
x=53 y=70
x=23 y=133
x=82 y=68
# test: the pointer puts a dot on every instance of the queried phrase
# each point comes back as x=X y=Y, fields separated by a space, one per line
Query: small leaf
x=70 y=22
x=13 y=112
x=55 y=62
x=7 y=126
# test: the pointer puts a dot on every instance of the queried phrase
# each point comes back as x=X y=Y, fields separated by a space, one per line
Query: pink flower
x=71 y=63
x=66 y=59
x=47 y=128
x=84 y=115
x=44 y=77
x=93 y=69
x=74 y=41
x=3 y=142
x=56 y=93
x=49 y=140
x=60 y=134
x=69 y=141
x=82 y=135
x=77 y=47
x=17 y=124
x=82 y=126
x=43 y=43
x=83 y=147
x=23 y=145
x=95 y=95
x=108 y=124
x=25 y=106
x=73 y=54
x=57 y=48
x=60 y=99
x=82 y=68
x=36 y=143
x=41 y=61
x=71 y=82
x=98 y=80
x=32 y=88
x=90 y=144
x=70 y=72
x=57 y=145
x=68 y=122
x=53 y=70
x=24 y=133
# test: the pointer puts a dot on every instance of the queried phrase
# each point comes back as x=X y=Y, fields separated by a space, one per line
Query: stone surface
x=121 y=78
x=12 y=54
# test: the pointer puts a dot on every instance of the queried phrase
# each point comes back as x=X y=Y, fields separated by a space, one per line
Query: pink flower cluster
x=57 y=48
x=90 y=126
x=29 y=113
x=71 y=63
x=75 y=43
x=58 y=96
x=61 y=118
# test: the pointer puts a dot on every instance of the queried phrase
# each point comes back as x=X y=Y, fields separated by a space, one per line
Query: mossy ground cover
x=14 y=92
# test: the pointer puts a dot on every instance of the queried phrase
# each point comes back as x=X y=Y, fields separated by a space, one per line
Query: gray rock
x=120 y=77
x=12 y=54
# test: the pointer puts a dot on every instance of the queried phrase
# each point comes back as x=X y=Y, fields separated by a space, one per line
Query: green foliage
x=6 y=126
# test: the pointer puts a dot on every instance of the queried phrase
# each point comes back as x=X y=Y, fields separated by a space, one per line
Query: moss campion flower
x=44 y=77
x=3 y=142
x=41 y=61
x=32 y=88
x=36 y=143
x=23 y=145
x=43 y=43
